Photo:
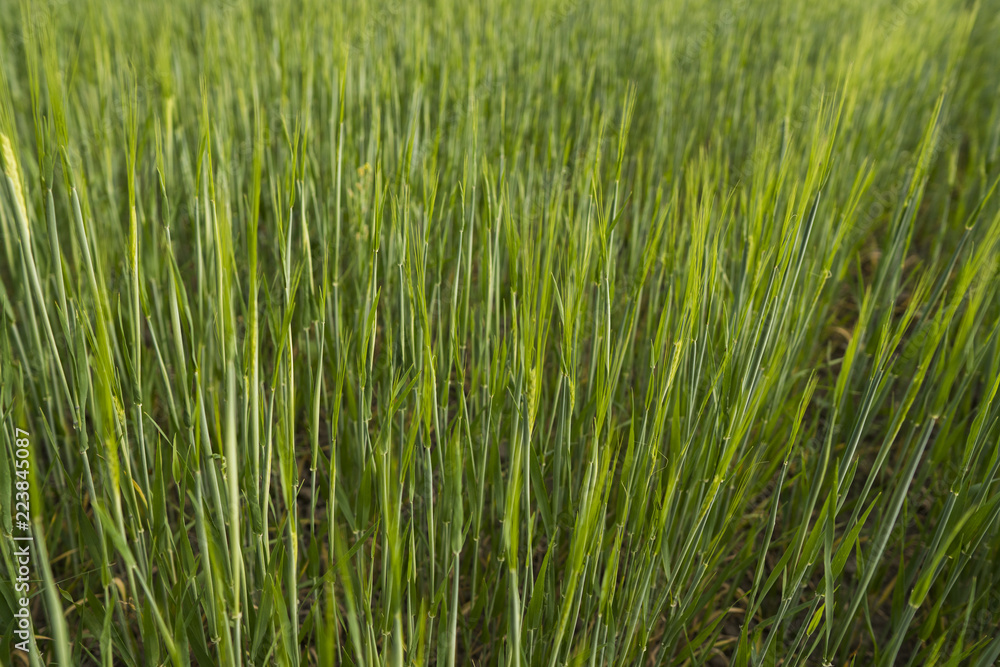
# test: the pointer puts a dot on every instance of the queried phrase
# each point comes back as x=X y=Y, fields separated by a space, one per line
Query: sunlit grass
x=493 y=333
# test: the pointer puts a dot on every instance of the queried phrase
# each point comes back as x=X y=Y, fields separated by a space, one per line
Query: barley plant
x=539 y=333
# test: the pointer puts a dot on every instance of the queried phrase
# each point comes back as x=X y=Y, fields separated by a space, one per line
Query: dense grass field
x=488 y=333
